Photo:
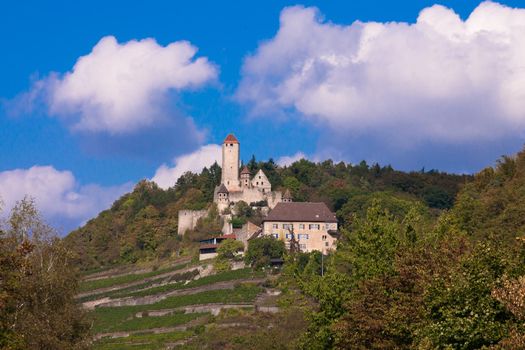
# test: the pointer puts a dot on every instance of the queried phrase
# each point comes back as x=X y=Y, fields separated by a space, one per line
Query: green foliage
x=331 y=292
x=142 y=225
x=242 y=209
x=221 y=265
x=261 y=250
x=237 y=222
x=369 y=249
x=229 y=249
x=37 y=286
x=461 y=311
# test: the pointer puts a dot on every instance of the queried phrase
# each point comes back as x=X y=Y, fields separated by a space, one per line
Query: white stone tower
x=245 y=177
x=230 y=163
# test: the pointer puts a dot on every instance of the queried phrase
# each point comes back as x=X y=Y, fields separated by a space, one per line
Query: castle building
x=313 y=225
x=235 y=188
x=230 y=163
x=255 y=191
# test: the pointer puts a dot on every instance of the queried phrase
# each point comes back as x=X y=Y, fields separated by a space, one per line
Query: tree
x=460 y=307
x=229 y=248
x=369 y=249
x=261 y=250
x=242 y=209
x=226 y=252
x=38 y=286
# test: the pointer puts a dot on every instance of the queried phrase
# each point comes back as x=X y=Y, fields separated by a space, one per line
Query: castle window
x=301 y=226
x=324 y=237
x=314 y=226
x=275 y=235
x=275 y=225
x=302 y=246
x=303 y=236
x=288 y=236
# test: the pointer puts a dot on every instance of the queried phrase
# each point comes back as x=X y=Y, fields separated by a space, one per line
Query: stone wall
x=188 y=219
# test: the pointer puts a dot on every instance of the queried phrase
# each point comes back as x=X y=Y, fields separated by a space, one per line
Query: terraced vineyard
x=167 y=307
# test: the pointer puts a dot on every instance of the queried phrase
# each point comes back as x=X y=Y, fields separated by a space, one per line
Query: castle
x=234 y=187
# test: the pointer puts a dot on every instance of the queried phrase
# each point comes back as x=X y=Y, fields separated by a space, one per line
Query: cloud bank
x=289 y=160
x=122 y=87
x=441 y=79
x=166 y=176
x=58 y=195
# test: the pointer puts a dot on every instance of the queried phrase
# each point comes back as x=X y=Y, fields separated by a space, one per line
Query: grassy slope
x=141 y=341
x=124 y=279
x=109 y=319
x=220 y=277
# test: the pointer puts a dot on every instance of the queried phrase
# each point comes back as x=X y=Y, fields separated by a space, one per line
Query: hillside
x=142 y=225
x=406 y=273
x=492 y=205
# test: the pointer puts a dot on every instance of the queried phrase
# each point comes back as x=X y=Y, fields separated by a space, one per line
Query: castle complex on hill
x=234 y=188
x=307 y=225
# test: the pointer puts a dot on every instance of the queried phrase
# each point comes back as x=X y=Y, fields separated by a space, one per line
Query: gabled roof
x=262 y=175
x=301 y=211
x=231 y=139
x=222 y=189
x=245 y=170
x=287 y=194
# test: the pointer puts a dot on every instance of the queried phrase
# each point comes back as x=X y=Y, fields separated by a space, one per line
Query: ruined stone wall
x=188 y=219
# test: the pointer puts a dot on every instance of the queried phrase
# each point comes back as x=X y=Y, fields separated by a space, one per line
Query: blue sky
x=442 y=110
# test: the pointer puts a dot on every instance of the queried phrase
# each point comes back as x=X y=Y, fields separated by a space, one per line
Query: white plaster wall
x=261 y=182
x=315 y=239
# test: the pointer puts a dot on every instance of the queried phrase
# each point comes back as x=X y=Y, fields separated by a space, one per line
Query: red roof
x=245 y=170
x=231 y=139
x=230 y=236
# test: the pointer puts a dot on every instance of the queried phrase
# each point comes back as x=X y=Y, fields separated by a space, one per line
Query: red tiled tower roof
x=231 y=139
x=245 y=170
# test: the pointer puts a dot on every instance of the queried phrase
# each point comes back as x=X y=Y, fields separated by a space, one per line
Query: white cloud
x=288 y=160
x=441 y=78
x=57 y=193
x=166 y=176
x=122 y=87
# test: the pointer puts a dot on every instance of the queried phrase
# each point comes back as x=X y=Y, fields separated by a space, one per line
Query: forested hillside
x=406 y=282
x=142 y=224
